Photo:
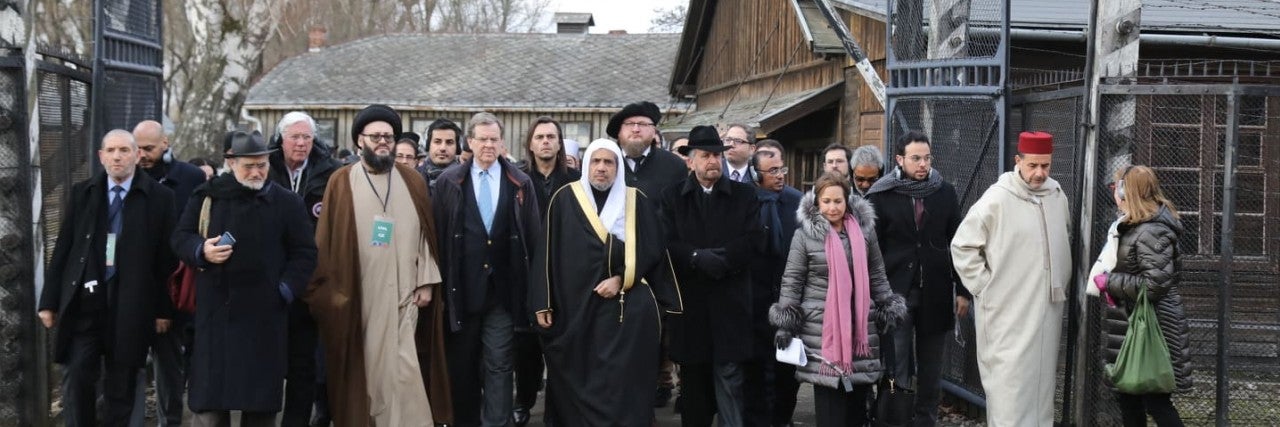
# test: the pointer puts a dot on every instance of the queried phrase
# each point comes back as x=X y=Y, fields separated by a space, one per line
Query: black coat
x=241 y=305
x=180 y=177
x=921 y=258
x=315 y=177
x=717 y=316
x=767 y=268
x=144 y=262
x=660 y=170
x=447 y=207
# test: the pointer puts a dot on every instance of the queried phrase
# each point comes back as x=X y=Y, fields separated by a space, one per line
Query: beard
x=602 y=186
x=252 y=185
x=376 y=163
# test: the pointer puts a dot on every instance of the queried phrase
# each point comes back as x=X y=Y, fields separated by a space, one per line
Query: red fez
x=1035 y=143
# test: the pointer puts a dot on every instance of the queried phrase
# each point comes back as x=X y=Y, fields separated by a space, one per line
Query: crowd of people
x=434 y=280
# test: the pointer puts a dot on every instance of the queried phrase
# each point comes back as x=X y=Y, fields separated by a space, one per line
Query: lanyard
x=375 y=189
x=294 y=180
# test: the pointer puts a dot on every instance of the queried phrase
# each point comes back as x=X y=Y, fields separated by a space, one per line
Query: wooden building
x=579 y=79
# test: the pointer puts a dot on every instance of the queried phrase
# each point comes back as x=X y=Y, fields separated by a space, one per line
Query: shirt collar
x=494 y=169
x=127 y=184
x=303 y=166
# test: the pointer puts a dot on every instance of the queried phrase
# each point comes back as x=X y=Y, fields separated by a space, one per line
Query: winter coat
x=716 y=325
x=179 y=177
x=314 y=177
x=661 y=169
x=1148 y=256
x=144 y=262
x=241 y=318
x=921 y=257
x=801 y=307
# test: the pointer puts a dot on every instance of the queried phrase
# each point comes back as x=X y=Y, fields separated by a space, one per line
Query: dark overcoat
x=315 y=177
x=921 y=258
x=139 y=296
x=716 y=325
x=660 y=170
x=242 y=304
x=766 y=269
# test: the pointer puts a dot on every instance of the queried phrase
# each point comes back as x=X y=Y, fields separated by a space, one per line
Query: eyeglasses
x=777 y=171
x=493 y=140
x=385 y=137
x=864 y=180
x=299 y=137
x=917 y=159
x=636 y=124
x=729 y=140
x=406 y=156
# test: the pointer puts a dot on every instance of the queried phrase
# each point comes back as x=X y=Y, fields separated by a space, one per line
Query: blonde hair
x=1142 y=194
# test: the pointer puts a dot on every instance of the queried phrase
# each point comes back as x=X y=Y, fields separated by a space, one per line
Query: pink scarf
x=838 y=347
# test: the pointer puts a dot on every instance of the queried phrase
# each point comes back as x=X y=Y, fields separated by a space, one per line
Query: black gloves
x=782 y=339
x=711 y=262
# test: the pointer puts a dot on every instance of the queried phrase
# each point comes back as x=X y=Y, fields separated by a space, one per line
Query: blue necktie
x=736 y=177
x=115 y=221
x=486 y=201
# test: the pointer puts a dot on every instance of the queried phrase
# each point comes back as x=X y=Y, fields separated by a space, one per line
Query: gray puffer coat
x=800 y=306
x=1147 y=256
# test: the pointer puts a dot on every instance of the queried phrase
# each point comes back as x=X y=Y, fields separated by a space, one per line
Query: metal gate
x=128 y=65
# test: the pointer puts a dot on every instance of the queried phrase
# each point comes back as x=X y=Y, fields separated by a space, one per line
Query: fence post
x=1226 y=249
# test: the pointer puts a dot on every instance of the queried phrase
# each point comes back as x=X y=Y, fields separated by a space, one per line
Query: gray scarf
x=906 y=186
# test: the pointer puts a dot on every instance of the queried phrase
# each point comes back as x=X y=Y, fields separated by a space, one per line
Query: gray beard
x=377 y=164
x=255 y=186
x=602 y=187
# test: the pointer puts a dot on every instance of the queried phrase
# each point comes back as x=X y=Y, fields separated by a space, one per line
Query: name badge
x=111 y=249
x=382 y=228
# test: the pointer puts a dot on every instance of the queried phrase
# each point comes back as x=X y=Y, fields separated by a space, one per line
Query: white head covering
x=571 y=148
x=613 y=215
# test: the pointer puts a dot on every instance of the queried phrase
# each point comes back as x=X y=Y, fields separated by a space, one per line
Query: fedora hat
x=703 y=138
x=246 y=144
x=642 y=108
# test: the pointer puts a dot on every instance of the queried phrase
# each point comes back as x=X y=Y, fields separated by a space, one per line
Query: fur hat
x=642 y=108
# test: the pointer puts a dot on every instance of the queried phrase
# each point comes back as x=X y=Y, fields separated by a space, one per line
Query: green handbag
x=1143 y=366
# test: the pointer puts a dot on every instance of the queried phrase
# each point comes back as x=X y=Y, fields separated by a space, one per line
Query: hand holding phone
x=226 y=239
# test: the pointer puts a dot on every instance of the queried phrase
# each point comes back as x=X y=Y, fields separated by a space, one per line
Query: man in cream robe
x=1012 y=251
x=382 y=205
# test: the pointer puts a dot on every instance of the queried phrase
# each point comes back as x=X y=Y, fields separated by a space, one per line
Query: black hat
x=412 y=136
x=227 y=138
x=703 y=138
x=376 y=113
x=245 y=144
x=642 y=108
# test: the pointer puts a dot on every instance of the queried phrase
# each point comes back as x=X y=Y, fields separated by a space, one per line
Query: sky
x=630 y=15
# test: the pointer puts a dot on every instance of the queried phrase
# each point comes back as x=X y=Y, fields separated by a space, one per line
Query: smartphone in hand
x=226 y=239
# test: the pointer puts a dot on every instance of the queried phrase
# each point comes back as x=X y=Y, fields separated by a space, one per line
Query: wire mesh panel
x=16 y=298
x=1185 y=139
x=128 y=65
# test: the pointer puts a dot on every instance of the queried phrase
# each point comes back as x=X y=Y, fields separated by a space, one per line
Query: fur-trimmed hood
x=813 y=223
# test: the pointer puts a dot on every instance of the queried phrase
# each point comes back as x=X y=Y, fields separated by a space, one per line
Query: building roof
x=476 y=71
x=1256 y=17
x=574 y=18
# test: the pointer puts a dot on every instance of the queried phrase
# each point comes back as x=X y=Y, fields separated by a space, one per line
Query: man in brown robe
x=378 y=262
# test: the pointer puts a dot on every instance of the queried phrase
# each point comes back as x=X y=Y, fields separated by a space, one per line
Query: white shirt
x=632 y=162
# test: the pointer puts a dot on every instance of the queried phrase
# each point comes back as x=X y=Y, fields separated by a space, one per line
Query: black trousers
x=1134 y=409
x=757 y=389
x=785 y=388
x=80 y=379
x=300 y=378
x=529 y=367
x=840 y=408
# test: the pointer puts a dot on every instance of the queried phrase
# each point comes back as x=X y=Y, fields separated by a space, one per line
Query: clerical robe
x=602 y=354
x=362 y=297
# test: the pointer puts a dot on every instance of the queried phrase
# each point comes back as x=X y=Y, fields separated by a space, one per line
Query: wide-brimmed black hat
x=376 y=113
x=703 y=138
x=246 y=144
x=642 y=108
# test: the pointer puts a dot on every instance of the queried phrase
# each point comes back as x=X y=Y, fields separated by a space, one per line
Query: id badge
x=111 y=249
x=382 y=228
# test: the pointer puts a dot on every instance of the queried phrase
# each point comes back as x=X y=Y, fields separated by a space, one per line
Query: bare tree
x=668 y=20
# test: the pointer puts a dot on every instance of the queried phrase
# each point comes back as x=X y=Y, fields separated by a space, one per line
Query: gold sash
x=629 y=254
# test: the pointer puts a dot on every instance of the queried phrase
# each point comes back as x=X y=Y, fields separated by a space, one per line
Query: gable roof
x=476 y=71
x=1256 y=17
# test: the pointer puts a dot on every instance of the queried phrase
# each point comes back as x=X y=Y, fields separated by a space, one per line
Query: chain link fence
x=17 y=302
x=1185 y=131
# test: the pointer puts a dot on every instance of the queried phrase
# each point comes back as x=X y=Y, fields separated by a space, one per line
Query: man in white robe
x=1012 y=251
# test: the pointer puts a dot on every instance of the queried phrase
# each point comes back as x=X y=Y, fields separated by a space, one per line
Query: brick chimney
x=317 y=38
x=617 y=32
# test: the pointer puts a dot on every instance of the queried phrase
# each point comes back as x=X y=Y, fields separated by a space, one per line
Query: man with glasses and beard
x=377 y=271
x=254 y=253
x=868 y=165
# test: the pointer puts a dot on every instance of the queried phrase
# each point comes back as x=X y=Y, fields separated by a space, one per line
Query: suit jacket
x=921 y=258
x=717 y=316
x=181 y=178
x=143 y=262
x=660 y=170
x=447 y=207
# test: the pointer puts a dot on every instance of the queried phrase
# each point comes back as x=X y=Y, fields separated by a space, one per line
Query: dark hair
x=848 y=154
x=200 y=161
x=530 y=161
x=417 y=151
x=750 y=131
x=445 y=124
x=344 y=153
x=907 y=139
x=773 y=143
x=829 y=179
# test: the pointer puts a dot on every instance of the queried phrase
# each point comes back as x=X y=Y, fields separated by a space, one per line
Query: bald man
x=181 y=178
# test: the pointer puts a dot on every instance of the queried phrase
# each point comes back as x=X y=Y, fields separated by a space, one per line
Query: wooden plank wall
x=515 y=124
x=751 y=43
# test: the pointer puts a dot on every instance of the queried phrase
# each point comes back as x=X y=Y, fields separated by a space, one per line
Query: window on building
x=326 y=131
x=578 y=131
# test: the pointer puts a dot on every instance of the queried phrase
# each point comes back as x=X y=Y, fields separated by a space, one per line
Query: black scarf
x=907 y=186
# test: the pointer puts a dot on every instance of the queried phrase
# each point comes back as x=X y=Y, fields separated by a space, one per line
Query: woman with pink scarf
x=838 y=308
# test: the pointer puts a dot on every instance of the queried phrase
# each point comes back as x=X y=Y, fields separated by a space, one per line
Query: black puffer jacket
x=1148 y=255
